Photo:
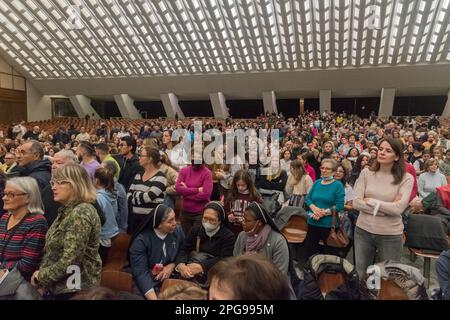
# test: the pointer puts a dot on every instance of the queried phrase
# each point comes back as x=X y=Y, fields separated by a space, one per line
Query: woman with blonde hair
x=73 y=240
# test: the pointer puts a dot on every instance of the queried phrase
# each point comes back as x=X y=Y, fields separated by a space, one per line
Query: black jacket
x=220 y=246
x=61 y=137
x=39 y=170
x=31 y=135
x=51 y=207
x=128 y=170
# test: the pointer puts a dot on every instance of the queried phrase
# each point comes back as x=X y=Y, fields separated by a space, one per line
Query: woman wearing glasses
x=71 y=261
x=147 y=189
x=22 y=227
x=205 y=245
x=326 y=194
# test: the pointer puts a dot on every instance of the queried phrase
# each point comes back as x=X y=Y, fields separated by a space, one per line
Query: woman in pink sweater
x=381 y=196
x=194 y=184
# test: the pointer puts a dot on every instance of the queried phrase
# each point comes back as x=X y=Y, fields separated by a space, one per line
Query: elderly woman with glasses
x=71 y=261
x=325 y=196
x=22 y=227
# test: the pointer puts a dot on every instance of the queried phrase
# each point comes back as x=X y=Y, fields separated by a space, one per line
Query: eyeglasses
x=57 y=183
x=8 y=158
x=11 y=195
x=210 y=220
x=325 y=168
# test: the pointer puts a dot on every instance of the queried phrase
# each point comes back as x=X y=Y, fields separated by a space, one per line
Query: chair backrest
x=173 y=282
x=117 y=280
x=296 y=229
x=298 y=222
x=118 y=253
x=389 y=290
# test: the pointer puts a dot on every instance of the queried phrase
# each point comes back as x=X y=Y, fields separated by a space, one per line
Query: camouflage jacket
x=72 y=244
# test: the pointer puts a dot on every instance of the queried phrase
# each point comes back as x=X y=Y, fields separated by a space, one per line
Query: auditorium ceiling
x=239 y=47
x=97 y=39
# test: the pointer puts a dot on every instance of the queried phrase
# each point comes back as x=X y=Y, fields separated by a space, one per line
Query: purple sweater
x=193 y=200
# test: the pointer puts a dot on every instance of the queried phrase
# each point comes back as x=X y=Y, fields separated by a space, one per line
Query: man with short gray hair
x=30 y=157
x=60 y=159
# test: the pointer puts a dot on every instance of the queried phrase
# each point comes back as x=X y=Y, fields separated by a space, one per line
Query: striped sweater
x=23 y=245
x=145 y=195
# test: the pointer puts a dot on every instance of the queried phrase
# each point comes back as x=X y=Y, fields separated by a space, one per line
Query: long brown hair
x=398 y=168
x=298 y=170
x=105 y=179
x=243 y=175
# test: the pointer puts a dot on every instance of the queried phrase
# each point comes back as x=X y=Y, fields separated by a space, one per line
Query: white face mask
x=209 y=227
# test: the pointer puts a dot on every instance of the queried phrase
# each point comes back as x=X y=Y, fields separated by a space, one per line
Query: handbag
x=337 y=238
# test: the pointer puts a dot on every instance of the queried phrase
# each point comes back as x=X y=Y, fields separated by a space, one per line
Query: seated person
x=153 y=249
x=261 y=235
x=205 y=245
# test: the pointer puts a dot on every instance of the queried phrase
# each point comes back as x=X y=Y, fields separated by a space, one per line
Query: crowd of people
x=68 y=193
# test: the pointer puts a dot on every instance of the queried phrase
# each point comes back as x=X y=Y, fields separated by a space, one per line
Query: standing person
x=298 y=185
x=86 y=155
x=326 y=195
x=83 y=135
x=241 y=194
x=73 y=239
x=381 y=196
x=30 y=157
x=171 y=175
x=102 y=152
x=285 y=162
x=444 y=167
x=194 y=184
x=154 y=247
x=122 y=201
x=147 y=189
x=129 y=166
x=22 y=227
x=107 y=199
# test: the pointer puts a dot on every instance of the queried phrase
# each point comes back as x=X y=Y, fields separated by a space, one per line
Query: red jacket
x=410 y=169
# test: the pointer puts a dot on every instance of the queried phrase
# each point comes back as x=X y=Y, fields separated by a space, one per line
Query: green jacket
x=72 y=242
x=444 y=168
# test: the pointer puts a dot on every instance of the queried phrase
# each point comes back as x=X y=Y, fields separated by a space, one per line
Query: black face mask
x=196 y=166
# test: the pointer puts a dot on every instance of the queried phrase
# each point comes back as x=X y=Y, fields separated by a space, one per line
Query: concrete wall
x=39 y=106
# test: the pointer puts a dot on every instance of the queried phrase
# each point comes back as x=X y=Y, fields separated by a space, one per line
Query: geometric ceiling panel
x=85 y=39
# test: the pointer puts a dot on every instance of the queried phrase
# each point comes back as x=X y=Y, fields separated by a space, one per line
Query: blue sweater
x=147 y=250
x=325 y=197
x=108 y=202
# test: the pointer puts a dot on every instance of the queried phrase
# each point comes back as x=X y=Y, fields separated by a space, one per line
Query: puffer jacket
x=408 y=278
x=319 y=263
